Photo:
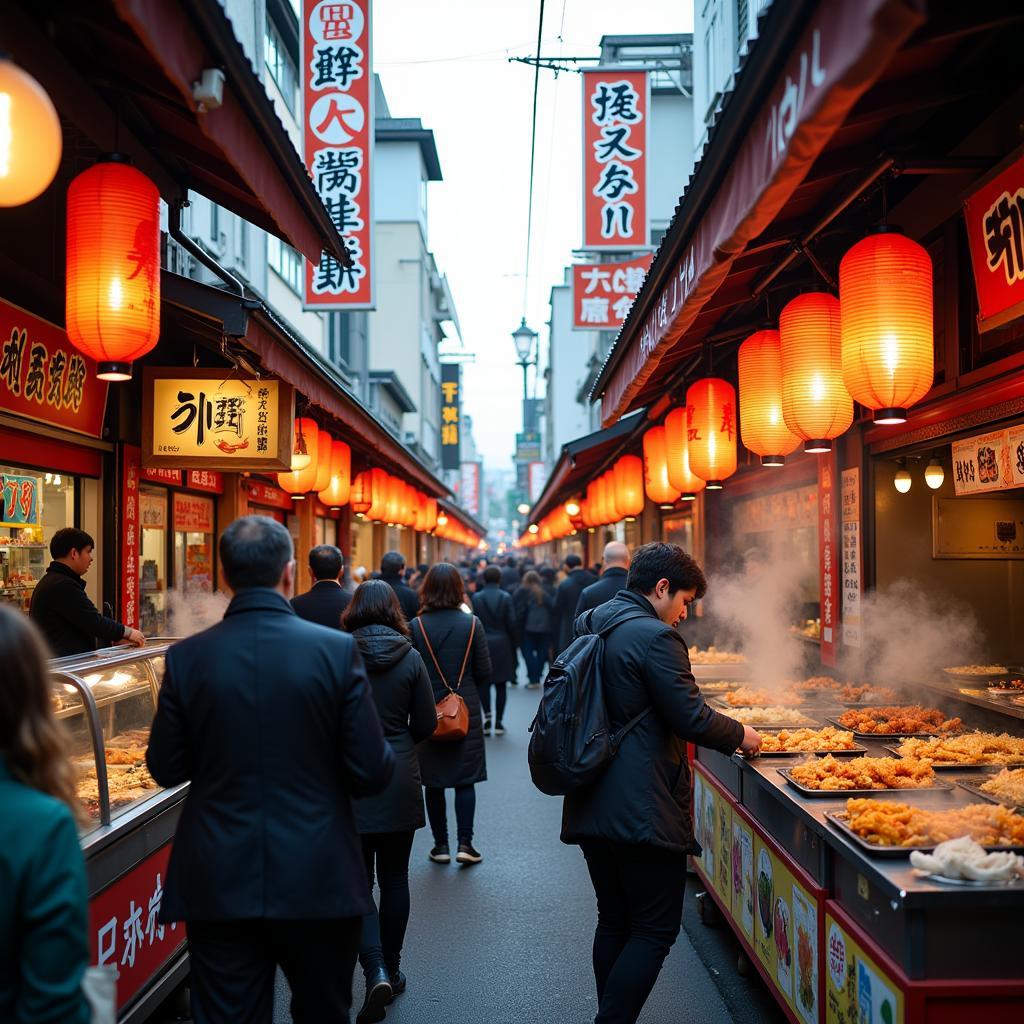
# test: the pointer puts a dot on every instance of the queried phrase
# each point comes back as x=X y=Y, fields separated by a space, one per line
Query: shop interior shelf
x=106 y=700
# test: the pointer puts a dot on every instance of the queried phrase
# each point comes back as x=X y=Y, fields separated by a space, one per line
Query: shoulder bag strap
x=433 y=657
x=469 y=647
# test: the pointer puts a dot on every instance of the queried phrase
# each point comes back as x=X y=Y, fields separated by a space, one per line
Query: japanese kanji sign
x=451 y=415
x=615 y=106
x=851 y=550
x=829 y=547
x=995 y=231
x=19 y=500
x=193 y=514
x=989 y=462
x=199 y=418
x=337 y=103
x=44 y=378
x=130 y=534
x=603 y=292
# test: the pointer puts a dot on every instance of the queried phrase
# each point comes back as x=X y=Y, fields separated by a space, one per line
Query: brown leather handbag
x=452 y=712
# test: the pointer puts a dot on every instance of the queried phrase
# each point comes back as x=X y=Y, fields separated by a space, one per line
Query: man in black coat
x=392 y=566
x=634 y=823
x=509 y=576
x=62 y=609
x=497 y=612
x=566 y=598
x=271 y=720
x=613 y=578
x=327 y=599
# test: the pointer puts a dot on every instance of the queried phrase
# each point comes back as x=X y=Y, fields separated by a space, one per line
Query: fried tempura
x=748 y=696
x=885 y=823
x=774 y=715
x=893 y=720
x=828 y=773
x=1008 y=786
x=807 y=740
x=971 y=748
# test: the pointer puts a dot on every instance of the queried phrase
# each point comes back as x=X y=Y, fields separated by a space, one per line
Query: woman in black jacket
x=536 y=609
x=495 y=610
x=387 y=822
x=453 y=646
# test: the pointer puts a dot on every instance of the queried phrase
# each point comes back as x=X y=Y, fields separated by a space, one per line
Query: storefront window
x=153 y=561
x=193 y=544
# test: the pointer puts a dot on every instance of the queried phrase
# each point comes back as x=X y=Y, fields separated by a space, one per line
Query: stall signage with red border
x=162 y=476
x=19 y=500
x=131 y=463
x=193 y=514
x=268 y=495
x=44 y=378
x=828 y=539
x=205 y=480
x=602 y=293
x=615 y=106
x=337 y=95
x=124 y=929
x=995 y=232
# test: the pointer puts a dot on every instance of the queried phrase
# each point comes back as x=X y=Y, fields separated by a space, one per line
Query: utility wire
x=533 y=156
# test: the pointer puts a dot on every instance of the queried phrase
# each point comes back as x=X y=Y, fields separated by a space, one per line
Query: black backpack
x=570 y=743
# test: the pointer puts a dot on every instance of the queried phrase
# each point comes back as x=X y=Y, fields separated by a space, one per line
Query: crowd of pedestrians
x=318 y=733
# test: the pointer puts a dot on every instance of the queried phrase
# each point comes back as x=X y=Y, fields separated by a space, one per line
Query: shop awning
x=458 y=512
x=813 y=61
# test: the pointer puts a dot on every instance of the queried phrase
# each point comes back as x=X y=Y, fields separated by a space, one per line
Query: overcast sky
x=447 y=63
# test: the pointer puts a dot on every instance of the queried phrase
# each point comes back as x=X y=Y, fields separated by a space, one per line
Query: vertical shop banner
x=337 y=105
x=602 y=293
x=850 y=525
x=451 y=415
x=131 y=465
x=470 y=487
x=829 y=549
x=615 y=114
x=537 y=477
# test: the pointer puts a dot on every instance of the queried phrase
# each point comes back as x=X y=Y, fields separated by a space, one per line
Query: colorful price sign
x=20 y=497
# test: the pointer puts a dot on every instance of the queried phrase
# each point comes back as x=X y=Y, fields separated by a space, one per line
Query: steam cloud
x=191 y=613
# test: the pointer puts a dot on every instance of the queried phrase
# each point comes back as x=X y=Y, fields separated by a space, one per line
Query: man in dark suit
x=271 y=720
x=566 y=598
x=613 y=578
x=509 y=576
x=392 y=565
x=327 y=599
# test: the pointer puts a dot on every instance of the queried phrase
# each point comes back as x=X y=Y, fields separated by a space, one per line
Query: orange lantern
x=361 y=495
x=430 y=515
x=815 y=403
x=656 y=481
x=762 y=425
x=304 y=445
x=677 y=450
x=407 y=512
x=711 y=430
x=629 y=486
x=323 y=461
x=888 y=344
x=378 y=495
x=113 y=266
x=31 y=140
x=338 y=488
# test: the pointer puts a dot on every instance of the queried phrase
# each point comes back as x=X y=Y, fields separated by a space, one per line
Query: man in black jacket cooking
x=634 y=823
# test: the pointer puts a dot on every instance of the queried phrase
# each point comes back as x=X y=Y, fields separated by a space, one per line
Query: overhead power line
x=533 y=156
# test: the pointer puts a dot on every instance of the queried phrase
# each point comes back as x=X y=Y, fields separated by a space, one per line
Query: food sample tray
x=959 y=765
x=973 y=786
x=886 y=735
x=838 y=819
x=832 y=794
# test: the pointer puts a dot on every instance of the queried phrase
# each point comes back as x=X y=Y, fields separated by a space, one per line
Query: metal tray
x=838 y=820
x=855 y=751
x=723 y=705
x=833 y=794
x=979 y=765
x=885 y=735
x=973 y=786
x=811 y=723
x=1012 y=672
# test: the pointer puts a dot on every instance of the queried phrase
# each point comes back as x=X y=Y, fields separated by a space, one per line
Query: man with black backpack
x=633 y=821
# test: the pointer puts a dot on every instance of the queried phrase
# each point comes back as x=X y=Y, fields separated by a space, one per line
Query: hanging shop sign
x=469 y=491
x=205 y=480
x=995 y=233
x=828 y=547
x=268 y=496
x=172 y=477
x=202 y=419
x=850 y=526
x=615 y=108
x=44 y=378
x=536 y=479
x=989 y=462
x=193 y=514
x=602 y=293
x=130 y=535
x=451 y=415
x=337 y=98
x=152 y=511
x=19 y=500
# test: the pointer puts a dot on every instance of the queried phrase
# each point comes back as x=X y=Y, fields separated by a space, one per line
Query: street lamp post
x=524 y=339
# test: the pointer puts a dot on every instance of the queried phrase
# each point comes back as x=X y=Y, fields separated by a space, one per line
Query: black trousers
x=233 y=964
x=387 y=856
x=639 y=892
x=500 y=700
x=437 y=812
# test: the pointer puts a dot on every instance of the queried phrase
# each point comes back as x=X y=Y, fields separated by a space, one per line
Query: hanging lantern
x=656 y=481
x=30 y=136
x=677 y=450
x=113 y=266
x=324 y=442
x=378 y=495
x=430 y=517
x=711 y=430
x=304 y=445
x=575 y=509
x=338 y=488
x=606 y=491
x=361 y=495
x=815 y=403
x=762 y=425
x=888 y=342
x=629 y=486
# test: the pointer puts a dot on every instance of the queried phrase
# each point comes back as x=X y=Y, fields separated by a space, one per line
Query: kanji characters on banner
x=337 y=94
x=602 y=293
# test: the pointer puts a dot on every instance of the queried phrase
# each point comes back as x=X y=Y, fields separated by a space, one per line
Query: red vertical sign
x=828 y=546
x=615 y=109
x=131 y=460
x=337 y=104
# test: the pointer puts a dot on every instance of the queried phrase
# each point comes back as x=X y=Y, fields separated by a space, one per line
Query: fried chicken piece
x=807 y=740
x=747 y=696
x=828 y=773
x=892 y=720
x=1008 y=785
x=970 y=748
x=895 y=824
x=774 y=715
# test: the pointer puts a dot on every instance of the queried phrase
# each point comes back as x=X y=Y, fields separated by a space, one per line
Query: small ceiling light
x=442 y=519
x=522 y=508
x=934 y=474
x=572 y=507
x=534 y=528
x=903 y=479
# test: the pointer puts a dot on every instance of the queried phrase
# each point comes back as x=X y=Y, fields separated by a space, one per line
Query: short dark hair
x=374 y=603
x=442 y=588
x=69 y=539
x=326 y=561
x=254 y=551
x=510 y=562
x=492 y=574
x=658 y=561
x=392 y=563
x=573 y=560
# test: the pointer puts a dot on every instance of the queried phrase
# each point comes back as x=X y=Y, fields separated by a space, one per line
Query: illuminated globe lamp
x=656 y=482
x=534 y=529
x=677 y=451
x=902 y=480
x=815 y=403
x=339 y=486
x=888 y=340
x=112 y=296
x=30 y=136
x=711 y=430
x=304 y=445
x=934 y=474
x=763 y=428
x=629 y=487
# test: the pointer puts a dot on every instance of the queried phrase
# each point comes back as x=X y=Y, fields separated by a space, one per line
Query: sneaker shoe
x=499 y=730
x=467 y=854
x=533 y=686
x=378 y=994
x=398 y=982
x=441 y=854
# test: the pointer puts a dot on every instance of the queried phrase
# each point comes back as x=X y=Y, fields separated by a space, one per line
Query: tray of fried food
x=828 y=740
x=968 y=750
x=962 y=672
x=962 y=861
x=1005 y=687
x=713 y=656
x=778 y=715
x=826 y=776
x=890 y=828
x=756 y=697
x=716 y=686
x=1005 y=787
x=897 y=720
x=866 y=693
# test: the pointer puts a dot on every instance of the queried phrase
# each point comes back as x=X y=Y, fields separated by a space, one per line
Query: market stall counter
x=106 y=701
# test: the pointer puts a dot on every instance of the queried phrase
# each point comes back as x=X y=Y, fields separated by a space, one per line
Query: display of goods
x=851 y=693
x=977 y=670
x=717 y=687
x=1007 y=786
x=811 y=628
x=774 y=715
x=886 y=823
x=815 y=683
x=748 y=696
x=963 y=858
x=128 y=778
x=829 y=773
x=805 y=966
x=713 y=656
x=970 y=748
x=1006 y=685
x=800 y=741
x=898 y=720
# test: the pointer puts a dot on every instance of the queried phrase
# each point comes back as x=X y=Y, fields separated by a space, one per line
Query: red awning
x=843 y=49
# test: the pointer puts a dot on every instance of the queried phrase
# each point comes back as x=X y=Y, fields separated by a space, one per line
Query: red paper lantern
x=338 y=488
x=659 y=487
x=113 y=266
x=323 y=461
x=361 y=496
x=762 y=425
x=378 y=495
x=711 y=430
x=304 y=443
x=677 y=450
x=888 y=343
x=629 y=486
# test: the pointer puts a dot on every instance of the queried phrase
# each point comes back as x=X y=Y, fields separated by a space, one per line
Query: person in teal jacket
x=44 y=947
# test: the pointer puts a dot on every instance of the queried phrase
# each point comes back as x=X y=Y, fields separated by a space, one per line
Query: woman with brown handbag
x=453 y=646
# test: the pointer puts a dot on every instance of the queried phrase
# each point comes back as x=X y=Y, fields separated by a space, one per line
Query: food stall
x=106 y=701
